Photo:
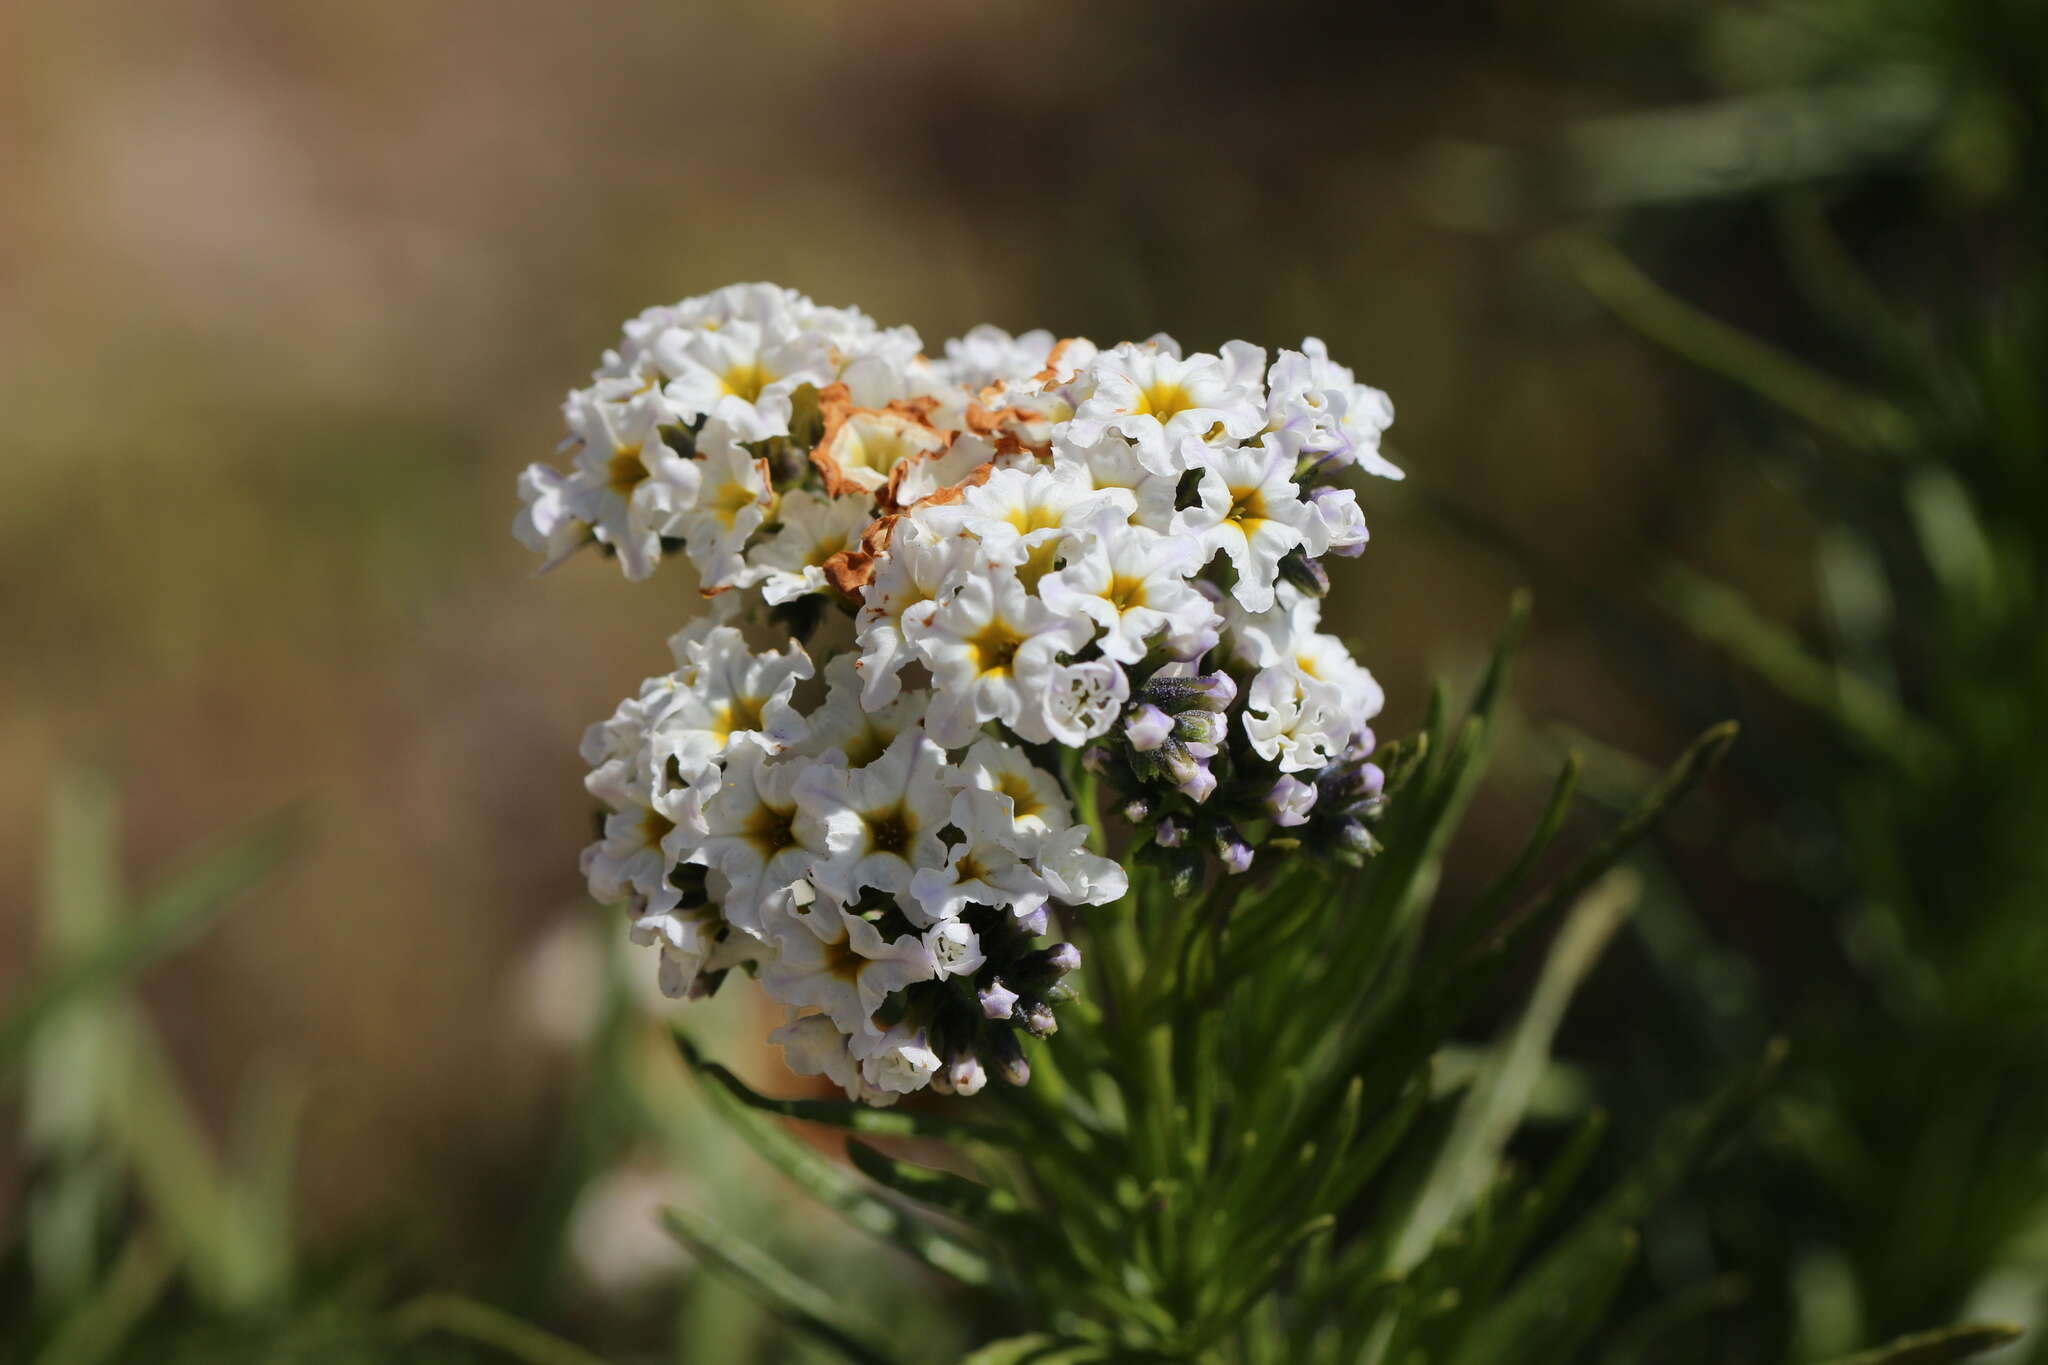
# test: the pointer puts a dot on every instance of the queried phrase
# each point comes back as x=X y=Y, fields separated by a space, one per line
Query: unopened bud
x=997 y=1001
x=1305 y=573
x=1290 y=801
x=1148 y=727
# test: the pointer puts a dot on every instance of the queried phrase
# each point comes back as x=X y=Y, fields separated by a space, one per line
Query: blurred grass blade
x=1938 y=1348
x=169 y=919
x=1700 y=758
x=1858 y=419
x=798 y=1302
x=1494 y=1106
x=1036 y=1349
x=1865 y=714
x=68 y=1208
x=1525 y=1318
x=488 y=1326
x=96 y=1332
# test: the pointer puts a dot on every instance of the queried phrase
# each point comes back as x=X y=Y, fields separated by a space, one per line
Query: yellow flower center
x=746 y=380
x=625 y=471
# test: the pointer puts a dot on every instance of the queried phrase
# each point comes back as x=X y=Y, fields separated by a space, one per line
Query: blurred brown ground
x=289 y=292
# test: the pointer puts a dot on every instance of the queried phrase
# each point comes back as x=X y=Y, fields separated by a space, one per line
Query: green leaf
x=802 y=1305
x=967 y=1200
x=1700 y=758
x=1527 y=1317
x=488 y=1326
x=833 y=1185
x=1494 y=1106
x=1035 y=1349
x=170 y=918
x=1939 y=1347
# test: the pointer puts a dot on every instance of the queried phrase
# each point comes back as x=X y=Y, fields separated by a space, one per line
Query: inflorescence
x=943 y=595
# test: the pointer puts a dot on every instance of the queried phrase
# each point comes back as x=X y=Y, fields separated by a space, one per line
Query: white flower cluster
x=938 y=589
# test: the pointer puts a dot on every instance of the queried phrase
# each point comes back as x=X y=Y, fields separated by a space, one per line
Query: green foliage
x=1907 y=1179
x=1236 y=1147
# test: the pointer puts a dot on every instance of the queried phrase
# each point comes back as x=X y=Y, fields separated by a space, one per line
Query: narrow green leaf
x=1858 y=419
x=1938 y=1347
x=96 y=1331
x=832 y=1184
x=966 y=1200
x=1863 y=713
x=1527 y=1315
x=169 y=918
x=488 y=1326
x=796 y=1301
x=1035 y=1349
x=1701 y=757
x=1494 y=1106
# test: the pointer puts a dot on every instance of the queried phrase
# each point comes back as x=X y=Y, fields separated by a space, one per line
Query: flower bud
x=1055 y=961
x=1197 y=785
x=965 y=1074
x=1305 y=573
x=1138 y=809
x=1038 y=1019
x=1006 y=1055
x=1200 y=727
x=1232 y=849
x=997 y=1000
x=1098 y=759
x=1170 y=832
x=1148 y=727
x=1373 y=780
x=1290 y=801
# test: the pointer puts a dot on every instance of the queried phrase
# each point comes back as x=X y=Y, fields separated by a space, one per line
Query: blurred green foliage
x=1905 y=1179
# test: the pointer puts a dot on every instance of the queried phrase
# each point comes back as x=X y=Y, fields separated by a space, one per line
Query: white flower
x=1248 y=511
x=812 y=1045
x=1133 y=585
x=989 y=355
x=991 y=647
x=838 y=963
x=955 y=949
x=1157 y=400
x=547 y=522
x=639 y=846
x=984 y=868
x=1021 y=517
x=1027 y=798
x=1294 y=720
x=903 y=595
x=900 y=1062
x=742 y=374
x=790 y=563
x=690 y=945
x=848 y=734
x=756 y=835
x=1076 y=875
x=628 y=486
x=734 y=496
x=1113 y=463
x=1337 y=525
x=1316 y=407
x=724 y=691
x=1079 y=702
x=881 y=822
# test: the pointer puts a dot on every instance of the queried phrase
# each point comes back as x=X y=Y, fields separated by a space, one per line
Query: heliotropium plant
x=1009 y=759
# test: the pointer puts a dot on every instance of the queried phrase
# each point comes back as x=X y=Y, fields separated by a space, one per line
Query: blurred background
x=1716 y=325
